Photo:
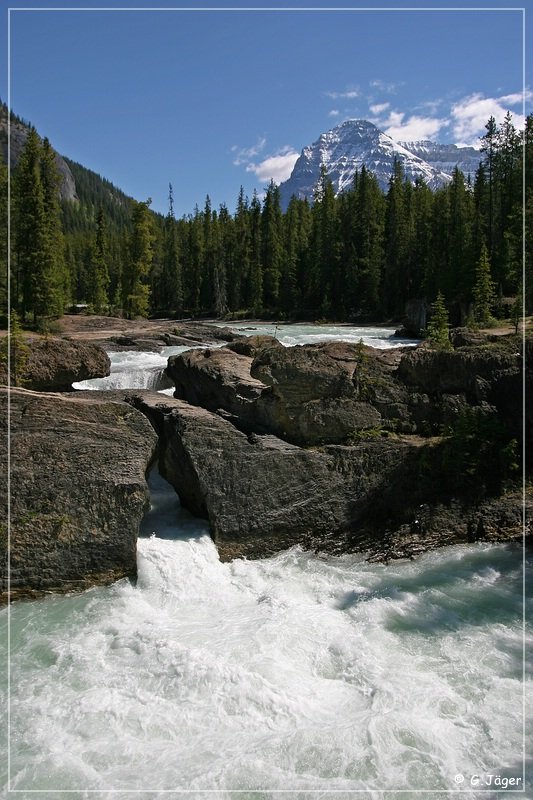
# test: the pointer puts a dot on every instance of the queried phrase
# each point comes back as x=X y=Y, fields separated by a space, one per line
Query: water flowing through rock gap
x=296 y=672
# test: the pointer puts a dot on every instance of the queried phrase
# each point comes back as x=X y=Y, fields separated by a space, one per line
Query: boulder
x=308 y=395
x=55 y=364
x=262 y=494
x=78 y=490
x=214 y=378
x=253 y=345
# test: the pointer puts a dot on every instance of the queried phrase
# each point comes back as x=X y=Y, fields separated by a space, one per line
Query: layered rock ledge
x=78 y=490
x=340 y=446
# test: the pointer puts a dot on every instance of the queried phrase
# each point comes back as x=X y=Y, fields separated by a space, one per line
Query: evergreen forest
x=360 y=256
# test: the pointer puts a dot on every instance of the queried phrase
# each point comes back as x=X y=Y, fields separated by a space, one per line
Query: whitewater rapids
x=296 y=672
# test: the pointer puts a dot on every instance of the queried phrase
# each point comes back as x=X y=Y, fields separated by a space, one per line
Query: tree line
x=358 y=256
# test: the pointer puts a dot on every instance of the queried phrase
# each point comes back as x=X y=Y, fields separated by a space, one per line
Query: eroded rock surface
x=262 y=494
x=78 y=490
x=55 y=364
x=341 y=446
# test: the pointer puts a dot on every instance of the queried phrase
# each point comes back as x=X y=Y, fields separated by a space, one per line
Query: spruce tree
x=396 y=244
x=171 y=291
x=29 y=223
x=271 y=245
x=55 y=272
x=368 y=225
x=99 y=275
x=38 y=252
x=255 y=299
x=483 y=292
x=438 y=326
x=135 y=288
x=239 y=275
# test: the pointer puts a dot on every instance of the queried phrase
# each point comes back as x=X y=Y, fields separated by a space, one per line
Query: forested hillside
x=361 y=255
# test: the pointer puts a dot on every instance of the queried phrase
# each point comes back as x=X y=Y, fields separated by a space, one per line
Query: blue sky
x=213 y=99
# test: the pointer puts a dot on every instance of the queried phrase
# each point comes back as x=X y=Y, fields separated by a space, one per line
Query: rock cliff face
x=19 y=134
x=78 y=490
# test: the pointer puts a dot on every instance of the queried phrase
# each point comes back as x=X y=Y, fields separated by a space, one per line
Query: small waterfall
x=131 y=369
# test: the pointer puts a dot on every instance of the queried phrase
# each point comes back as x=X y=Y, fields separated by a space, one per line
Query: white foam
x=290 y=672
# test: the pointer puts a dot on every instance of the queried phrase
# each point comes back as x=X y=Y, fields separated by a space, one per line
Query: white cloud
x=416 y=128
x=350 y=94
x=379 y=108
x=394 y=119
x=334 y=112
x=244 y=154
x=277 y=167
x=470 y=114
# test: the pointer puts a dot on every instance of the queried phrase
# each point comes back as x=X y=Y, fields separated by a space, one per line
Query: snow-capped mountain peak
x=343 y=150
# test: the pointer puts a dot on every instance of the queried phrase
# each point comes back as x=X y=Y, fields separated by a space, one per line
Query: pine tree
x=438 y=326
x=458 y=280
x=239 y=274
x=271 y=245
x=368 y=224
x=489 y=146
x=396 y=244
x=171 y=290
x=325 y=288
x=255 y=298
x=483 y=293
x=99 y=274
x=57 y=274
x=29 y=222
x=38 y=241
x=135 y=288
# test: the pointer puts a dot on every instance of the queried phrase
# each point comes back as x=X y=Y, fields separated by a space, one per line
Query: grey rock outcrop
x=78 y=490
x=214 y=378
x=55 y=364
x=262 y=494
x=339 y=446
x=19 y=134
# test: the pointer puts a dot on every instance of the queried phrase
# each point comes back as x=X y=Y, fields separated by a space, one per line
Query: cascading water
x=135 y=370
x=320 y=676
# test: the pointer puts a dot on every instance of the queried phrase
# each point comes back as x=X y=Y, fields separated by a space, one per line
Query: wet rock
x=262 y=494
x=78 y=490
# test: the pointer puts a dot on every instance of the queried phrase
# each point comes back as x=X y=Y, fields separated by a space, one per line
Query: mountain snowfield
x=354 y=143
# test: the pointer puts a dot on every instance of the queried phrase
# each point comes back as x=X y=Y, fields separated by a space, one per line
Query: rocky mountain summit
x=346 y=148
x=446 y=157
